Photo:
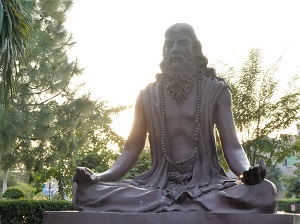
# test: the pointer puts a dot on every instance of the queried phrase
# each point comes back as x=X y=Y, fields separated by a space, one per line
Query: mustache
x=175 y=57
x=178 y=60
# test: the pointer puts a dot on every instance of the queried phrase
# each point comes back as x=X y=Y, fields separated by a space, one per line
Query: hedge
x=29 y=211
x=285 y=205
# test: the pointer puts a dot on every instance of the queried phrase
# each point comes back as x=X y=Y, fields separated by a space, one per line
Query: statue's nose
x=175 y=49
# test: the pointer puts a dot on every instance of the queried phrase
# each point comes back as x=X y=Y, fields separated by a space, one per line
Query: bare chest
x=180 y=125
x=179 y=115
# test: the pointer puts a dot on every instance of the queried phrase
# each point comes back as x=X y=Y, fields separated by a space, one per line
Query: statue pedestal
x=74 y=217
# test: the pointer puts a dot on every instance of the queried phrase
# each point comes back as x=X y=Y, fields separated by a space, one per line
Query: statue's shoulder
x=151 y=86
x=215 y=81
x=150 y=93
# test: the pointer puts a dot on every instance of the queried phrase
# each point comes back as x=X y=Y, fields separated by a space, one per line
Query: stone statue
x=180 y=112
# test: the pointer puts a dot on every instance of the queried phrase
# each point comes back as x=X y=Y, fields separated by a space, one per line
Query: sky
x=119 y=43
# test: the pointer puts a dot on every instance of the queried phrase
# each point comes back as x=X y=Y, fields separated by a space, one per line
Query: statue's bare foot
x=85 y=176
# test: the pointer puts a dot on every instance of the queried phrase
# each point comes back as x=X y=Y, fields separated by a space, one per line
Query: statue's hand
x=255 y=174
x=85 y=176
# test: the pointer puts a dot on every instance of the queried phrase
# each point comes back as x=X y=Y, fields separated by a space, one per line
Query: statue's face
x=178 y=45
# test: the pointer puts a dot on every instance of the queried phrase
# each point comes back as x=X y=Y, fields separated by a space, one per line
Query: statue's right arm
x=133 y=146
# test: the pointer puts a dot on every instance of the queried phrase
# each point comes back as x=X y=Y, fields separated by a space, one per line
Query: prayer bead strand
x=163 y=124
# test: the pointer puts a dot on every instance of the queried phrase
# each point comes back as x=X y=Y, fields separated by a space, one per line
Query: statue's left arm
x=233 y=151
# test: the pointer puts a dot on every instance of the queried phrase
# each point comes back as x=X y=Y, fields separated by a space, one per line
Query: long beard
x=180 y=77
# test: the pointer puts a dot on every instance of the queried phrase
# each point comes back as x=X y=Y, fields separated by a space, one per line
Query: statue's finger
x=262 y=168
x=88 y=171
x=245 y=177
x=79 y=169
x=256 y=175
x=252 y=179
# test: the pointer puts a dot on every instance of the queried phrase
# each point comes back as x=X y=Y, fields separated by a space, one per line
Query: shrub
x=29 y=211
x=285 y=205
x=39 y=196
x=27 y=189
x=13 y=193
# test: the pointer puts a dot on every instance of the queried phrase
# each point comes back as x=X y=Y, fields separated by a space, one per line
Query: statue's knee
x=269 y=187
x=268 y=194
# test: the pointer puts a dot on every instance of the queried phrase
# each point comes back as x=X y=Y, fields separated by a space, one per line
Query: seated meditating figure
x=180 y=113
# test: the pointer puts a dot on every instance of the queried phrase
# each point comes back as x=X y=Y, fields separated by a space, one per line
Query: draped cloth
x=206 y=188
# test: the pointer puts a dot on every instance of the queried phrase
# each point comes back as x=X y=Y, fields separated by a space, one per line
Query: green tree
x=15 y=30
x=261 y=115
x=49 y=123
x=293 y=183
x=11 y=180
x=98 y=161
x=274 y=174
x=9 y=130
x=143 y=165
x=74 y=141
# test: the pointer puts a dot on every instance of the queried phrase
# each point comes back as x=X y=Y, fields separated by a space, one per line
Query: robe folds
x=206 y=188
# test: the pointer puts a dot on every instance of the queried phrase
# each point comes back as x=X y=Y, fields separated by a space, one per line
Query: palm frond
x=15 y=31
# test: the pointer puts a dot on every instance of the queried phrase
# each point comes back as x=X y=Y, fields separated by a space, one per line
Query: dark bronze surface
x=180 y=112
x=167 y=218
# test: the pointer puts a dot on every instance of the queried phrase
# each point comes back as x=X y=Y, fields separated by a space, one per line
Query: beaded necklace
x=163 y=124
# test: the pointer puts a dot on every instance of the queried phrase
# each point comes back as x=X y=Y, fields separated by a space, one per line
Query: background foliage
x=13 y=193
x=51 y=124
x=17 y=211
x=15 y=31
x=292 y=183
x=285 y=205
x=143 y=164
x=261 y=114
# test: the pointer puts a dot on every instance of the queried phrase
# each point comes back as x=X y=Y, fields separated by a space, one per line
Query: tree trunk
x=5 y=175
x=61 y=189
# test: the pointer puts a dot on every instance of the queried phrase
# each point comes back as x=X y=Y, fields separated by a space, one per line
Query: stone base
x=74 y=217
